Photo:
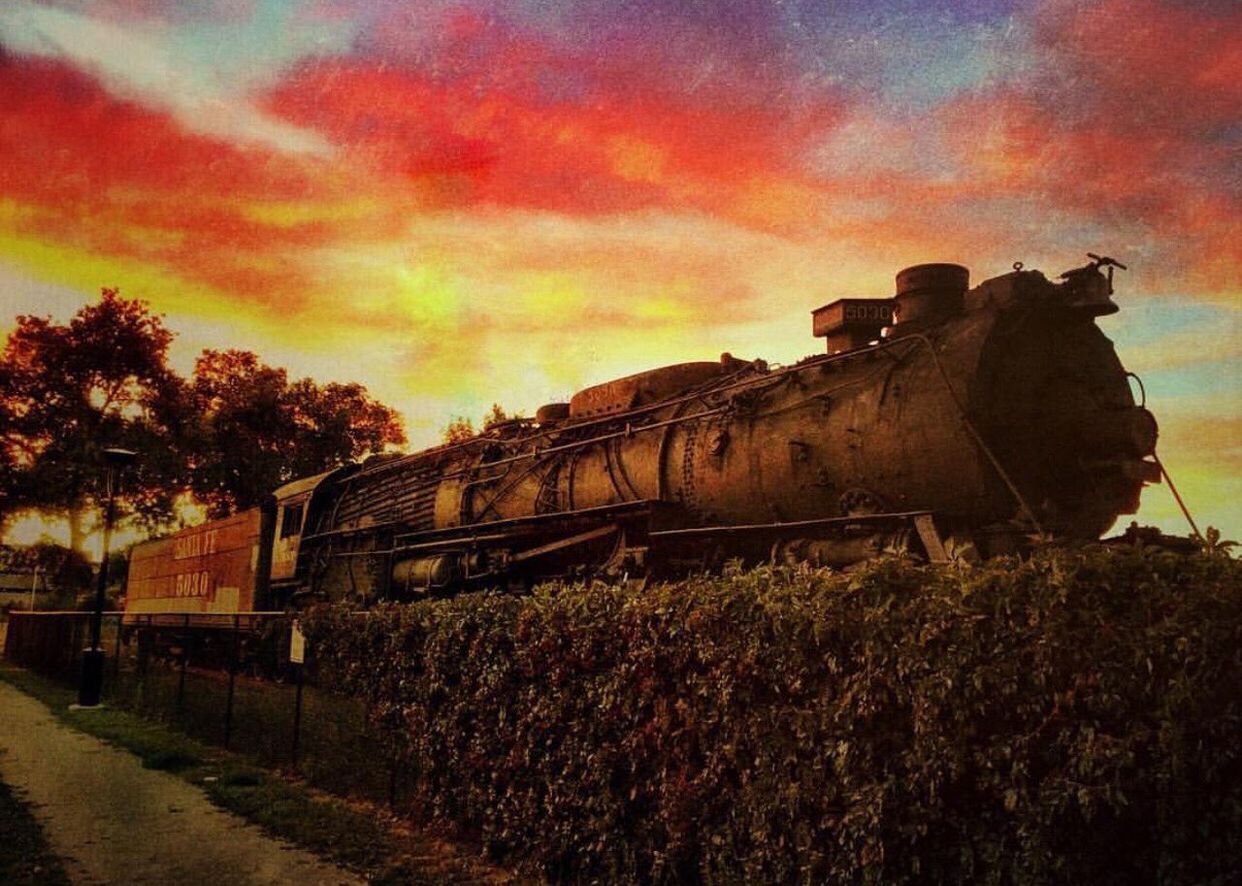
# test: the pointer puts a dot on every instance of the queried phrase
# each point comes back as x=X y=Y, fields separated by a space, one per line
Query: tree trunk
x=75 y=517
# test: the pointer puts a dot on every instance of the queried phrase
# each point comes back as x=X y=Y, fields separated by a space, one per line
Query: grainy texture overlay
x=114 y=822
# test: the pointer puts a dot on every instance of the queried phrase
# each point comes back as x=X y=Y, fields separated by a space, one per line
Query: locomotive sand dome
x=982 y=415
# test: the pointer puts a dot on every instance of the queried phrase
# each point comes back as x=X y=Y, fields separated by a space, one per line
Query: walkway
x=112 y=821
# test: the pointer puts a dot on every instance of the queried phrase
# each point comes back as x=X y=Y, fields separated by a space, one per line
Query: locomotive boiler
x=942 y=418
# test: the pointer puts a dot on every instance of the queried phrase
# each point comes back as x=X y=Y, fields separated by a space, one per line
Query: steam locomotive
x=943 y=418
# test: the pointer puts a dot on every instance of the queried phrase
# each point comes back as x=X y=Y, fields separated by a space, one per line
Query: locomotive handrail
x=329 y=532
x=623 y=508
x=725 y=528
x=578 y=444
x=630 y=430
x=639 y=410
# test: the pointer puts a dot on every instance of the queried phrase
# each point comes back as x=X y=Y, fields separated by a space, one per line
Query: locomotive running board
x=921 y=520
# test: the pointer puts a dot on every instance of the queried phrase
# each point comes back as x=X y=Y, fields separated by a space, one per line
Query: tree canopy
x=228 y=435
x=461 y=428
x=69 y=392
x=256 y=430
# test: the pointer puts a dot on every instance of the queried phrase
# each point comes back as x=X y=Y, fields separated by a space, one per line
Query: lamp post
x=34 y=585
x=115 y=461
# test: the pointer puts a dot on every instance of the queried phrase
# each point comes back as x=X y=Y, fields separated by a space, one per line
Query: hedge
x=1075 y=717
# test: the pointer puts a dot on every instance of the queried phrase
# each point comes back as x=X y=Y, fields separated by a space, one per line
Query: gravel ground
x=111 y=821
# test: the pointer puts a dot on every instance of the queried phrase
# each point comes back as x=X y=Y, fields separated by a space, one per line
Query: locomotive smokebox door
x=849 y=323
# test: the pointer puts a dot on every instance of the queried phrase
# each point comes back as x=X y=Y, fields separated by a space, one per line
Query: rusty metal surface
x=641 y=388
x=933 y=277
x=928 y=294
x=205 y=569
x=849 y=323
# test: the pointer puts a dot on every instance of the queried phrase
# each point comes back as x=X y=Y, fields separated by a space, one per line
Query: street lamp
x=115 y=461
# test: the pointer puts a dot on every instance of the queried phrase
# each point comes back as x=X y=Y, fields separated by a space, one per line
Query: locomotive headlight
x=1131 y=431
x=1141 y=431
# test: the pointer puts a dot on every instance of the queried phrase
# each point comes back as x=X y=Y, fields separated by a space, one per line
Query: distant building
x=15 y=588
x=25 y=568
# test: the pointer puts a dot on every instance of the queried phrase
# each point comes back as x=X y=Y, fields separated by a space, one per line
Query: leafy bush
x=1071 y=718
x=169 y=760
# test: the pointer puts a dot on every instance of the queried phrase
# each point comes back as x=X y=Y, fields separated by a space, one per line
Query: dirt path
x=114 y=822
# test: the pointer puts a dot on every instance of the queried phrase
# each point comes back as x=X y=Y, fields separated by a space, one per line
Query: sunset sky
x=457 y=203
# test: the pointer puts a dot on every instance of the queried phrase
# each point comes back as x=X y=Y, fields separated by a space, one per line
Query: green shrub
x=242 y=778
x=1071 y=718
x=169 y=760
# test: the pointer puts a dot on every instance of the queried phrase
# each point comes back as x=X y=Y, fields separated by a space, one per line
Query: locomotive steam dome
x=931 y=292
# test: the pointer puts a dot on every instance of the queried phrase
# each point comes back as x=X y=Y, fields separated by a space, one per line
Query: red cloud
x=486 y=132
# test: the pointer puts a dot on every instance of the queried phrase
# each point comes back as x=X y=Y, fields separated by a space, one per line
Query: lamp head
x=119 y=458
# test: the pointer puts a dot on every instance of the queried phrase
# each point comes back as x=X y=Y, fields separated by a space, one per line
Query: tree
x=57 y=566
x=497 y=415
x=458 y=430
x=337 y=423
x=461 y=428
x=233 y=434
x=71 y=391
x=256 y=430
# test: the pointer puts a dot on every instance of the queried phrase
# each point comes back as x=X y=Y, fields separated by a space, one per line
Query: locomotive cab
x=294 y=503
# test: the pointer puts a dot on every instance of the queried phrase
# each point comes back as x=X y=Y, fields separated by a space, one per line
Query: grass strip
x=364 y=841
x=25 y=857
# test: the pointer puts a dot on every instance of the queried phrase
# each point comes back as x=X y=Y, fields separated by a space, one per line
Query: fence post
x=116 y=651
x=297 y=715
x=75 y=642
x=185 y=654
x=144 y=651
x=228 y=710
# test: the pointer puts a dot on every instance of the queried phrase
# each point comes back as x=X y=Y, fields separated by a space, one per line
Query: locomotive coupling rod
x=570 y=542
x=449 y=542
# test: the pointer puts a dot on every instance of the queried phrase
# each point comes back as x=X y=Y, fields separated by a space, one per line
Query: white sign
x=297 y=644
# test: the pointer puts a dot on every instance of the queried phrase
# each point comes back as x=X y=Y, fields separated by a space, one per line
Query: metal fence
x=226 y=680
